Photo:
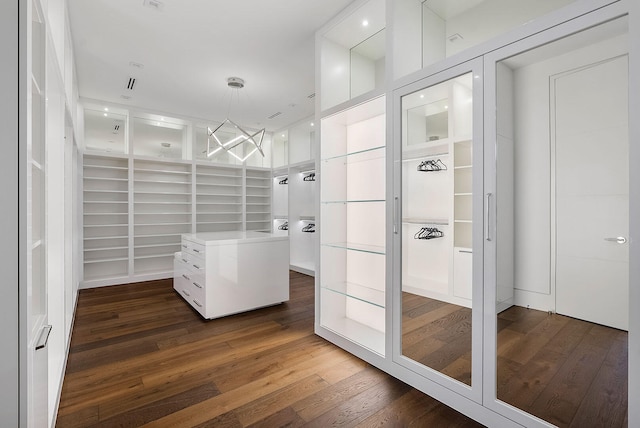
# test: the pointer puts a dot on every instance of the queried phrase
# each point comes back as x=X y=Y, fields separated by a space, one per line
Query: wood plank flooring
x=140 y=356
x=569 y=372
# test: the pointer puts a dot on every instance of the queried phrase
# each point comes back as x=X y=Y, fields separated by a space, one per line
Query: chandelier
x=224 y=142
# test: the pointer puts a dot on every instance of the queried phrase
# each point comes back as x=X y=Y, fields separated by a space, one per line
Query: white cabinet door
x=592 y=193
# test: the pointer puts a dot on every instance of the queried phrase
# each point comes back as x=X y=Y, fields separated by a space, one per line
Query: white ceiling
x=188 y=48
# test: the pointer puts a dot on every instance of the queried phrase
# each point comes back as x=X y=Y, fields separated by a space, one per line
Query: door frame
x=607 y=57
x=491 y=61
x=473 y=392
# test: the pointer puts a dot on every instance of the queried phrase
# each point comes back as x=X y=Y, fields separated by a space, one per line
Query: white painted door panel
x=592 y=193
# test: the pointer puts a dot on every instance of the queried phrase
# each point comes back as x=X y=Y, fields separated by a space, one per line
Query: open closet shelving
x=136 y=210
x=218 y=198
x=162 y=213
x=294 y=193
x=352 y=207
x=106 y=217
x=258 y=199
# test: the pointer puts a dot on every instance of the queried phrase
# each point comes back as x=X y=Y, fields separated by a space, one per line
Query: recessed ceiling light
x=311 y=123
x=365 y=23
x=106 y=109
x=421 y=95
x=446 y=107
x=282 y=135
x=105 y=114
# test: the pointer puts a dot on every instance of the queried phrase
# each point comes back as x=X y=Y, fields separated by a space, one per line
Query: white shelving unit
x=218 y=198
x=436 y=135
x=302 y=218
x=352 y=240
x=294 y=203
x=280 y=201
x=106 y=217
x=258 y=199
x=36 y=179
x=162 y=213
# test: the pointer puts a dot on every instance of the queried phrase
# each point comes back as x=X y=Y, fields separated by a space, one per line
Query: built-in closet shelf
x=162 y=171
x=98 y=238
x=352 y=201
x=104 y=178
x=155 y=256
x=439 y=222
x=307 y=218
x=157 y=235
x=358 y=292
x=105 y=188
x=354 y=153
x=353 y=246
x=367 y=337
x=106 y=260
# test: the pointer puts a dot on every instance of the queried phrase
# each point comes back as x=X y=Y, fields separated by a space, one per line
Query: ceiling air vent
x=275 y=115
x=312 y=96
x=154 y=4
x=131 y=84
x=116 y=129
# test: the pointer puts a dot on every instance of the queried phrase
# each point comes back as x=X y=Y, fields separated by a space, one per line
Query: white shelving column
x=302 y=218
x=280 y=201
x=258 y=199
x=162 y=213
x=352 y=240
x=106 y=222
x=218 y=198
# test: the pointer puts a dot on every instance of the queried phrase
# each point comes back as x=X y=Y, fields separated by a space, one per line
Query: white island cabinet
x=223 y=273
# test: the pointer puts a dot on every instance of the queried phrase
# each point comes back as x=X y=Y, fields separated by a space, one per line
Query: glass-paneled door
x=437 y=227
x=557 y=242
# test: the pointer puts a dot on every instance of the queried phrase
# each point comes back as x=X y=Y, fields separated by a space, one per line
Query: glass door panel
x=561 y=232
x=436 y=211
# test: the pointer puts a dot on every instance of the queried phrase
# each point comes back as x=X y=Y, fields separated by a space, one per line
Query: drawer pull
x=197 y=303
x=196 y=251
x=196 y=266
x=197 y=285
x=186 y=293
x=185 y=260
x=186 y=277
x=184 y=246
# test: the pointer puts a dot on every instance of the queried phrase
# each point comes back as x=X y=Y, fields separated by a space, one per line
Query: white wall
x=493 y=17
x=12 y=169
x=533 y=264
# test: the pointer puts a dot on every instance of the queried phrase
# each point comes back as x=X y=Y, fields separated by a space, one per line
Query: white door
x=592 y=192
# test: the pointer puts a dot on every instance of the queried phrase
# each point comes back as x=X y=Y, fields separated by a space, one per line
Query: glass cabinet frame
x=473 y=392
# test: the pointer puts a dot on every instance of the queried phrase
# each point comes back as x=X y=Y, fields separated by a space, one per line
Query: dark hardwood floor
x=438 y=335
x=569 y=372
x=141 y=356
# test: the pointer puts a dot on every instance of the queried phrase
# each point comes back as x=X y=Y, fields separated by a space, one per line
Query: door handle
x=619 y=239
x=487 y=232
x=396 y=215
x=44 y=337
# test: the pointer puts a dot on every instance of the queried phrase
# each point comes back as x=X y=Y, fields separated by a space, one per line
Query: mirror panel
x=158 y=137
x=428 y=31
x=436 y=227
x=562 y=228
x=105 y=131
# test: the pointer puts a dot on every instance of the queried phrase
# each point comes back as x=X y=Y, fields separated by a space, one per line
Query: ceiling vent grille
x=131 y=84
x=274 y=115
x=116 y=129
x=312 y=96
